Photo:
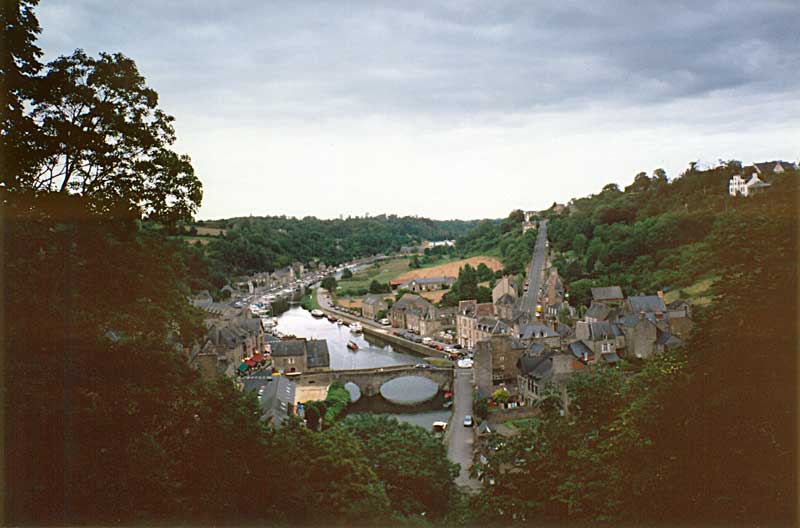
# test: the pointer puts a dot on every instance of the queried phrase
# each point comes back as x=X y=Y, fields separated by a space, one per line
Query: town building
x=415 y=314
x=603 y=340
x=505 y=286
x=372 y=305
x=539 y=368
x=496 y=359
x=467 y=315
x=300 y=355
x=610 y=295
x=427 y=284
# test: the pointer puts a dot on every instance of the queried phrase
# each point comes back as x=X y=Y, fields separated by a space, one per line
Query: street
x=460 y=439
x=531 y=298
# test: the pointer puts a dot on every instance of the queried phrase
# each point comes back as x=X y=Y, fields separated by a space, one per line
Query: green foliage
x=466 y=288
x=402 y=291
x=346 y=274
x=482 y=408
x=335 y=403
x=654 y=236
x=500 y=396
x=411 y=463
x=414 y=263
x=329 y=283
x=255 y=244
x=696 y=436
x=377 y=287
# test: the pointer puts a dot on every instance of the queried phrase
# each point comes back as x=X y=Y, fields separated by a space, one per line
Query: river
x=299 y=322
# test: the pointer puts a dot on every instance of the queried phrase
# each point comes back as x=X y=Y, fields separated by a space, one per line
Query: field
x=209 y=231
x=384 y=273
x=192 y=239
x=450 y=269
x=698 y=293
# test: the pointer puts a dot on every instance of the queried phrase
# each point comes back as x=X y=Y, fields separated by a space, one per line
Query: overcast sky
x=455 y=109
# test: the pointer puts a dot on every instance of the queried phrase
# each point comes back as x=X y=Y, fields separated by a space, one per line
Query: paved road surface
x=460 y=439
x=535 y=270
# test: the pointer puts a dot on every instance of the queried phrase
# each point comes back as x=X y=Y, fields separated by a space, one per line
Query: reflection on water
x=369 y=355
x=299 y=322
x=409 y=390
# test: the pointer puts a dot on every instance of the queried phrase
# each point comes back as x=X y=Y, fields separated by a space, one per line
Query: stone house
x=283 y=276
x=679 y=318
x=539 y=333
x=415 y=314
x=372 y=305
x=647 y=304
x=537 y=370
x=604 y=340
x=644 y=338
x=466 y=317
x=298 y=269
x=599 y=312
x=228 y=339
x=553 y=289
x=300 y=355
x=505 y=286
x=496 y=359
x=610 y=295
x=427 y=284
x=504 y=307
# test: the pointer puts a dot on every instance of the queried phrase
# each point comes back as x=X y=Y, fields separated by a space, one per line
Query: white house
x=738 y=186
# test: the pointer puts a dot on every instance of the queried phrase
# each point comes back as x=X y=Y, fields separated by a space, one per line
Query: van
x=426 y=340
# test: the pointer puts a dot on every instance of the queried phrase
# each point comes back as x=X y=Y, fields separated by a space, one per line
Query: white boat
x=340 y=322
x=356 y=327
x=317 y=313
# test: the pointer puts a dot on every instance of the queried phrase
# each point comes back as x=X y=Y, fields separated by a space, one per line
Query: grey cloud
x=306 y=59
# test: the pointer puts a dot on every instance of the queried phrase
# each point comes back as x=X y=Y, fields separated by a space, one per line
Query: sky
x=448 y=109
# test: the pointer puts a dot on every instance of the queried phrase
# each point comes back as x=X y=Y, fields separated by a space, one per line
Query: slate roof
x=432 y=280
x=646 y=303
x=607 y=293
x=288 y=347
x=536 y=349
x=373 y=299
x=536 y=330
x=668 y=340
x=540 y=367
x=564 y=330
x=598 y=311
x=631 y=320
x=579 y=348
x=767 y=167
x=277 y=398
x=317 y=354
x=506 y=298
x=603 y=330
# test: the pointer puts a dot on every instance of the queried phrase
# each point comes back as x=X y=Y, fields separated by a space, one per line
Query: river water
x=300 y=323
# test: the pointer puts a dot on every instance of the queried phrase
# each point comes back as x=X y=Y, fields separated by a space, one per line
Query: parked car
x=468 y=422
x=427 y=340
x=385 y=322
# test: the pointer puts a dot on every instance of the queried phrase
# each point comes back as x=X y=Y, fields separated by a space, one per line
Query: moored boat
x=352 y=345
x=356 y=327
x=317 y=313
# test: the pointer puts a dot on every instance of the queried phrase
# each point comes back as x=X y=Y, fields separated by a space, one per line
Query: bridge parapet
x=369 y=381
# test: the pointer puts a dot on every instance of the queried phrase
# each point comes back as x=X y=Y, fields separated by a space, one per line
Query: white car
x=385 y=322
x=465 y=363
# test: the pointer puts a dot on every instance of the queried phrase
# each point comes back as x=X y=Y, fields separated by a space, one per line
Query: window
x=606 y=348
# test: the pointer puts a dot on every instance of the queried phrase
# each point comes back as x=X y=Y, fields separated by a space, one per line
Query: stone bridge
x=370 y=380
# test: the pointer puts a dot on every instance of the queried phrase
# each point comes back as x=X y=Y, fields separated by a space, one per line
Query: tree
x=19 y=67
x=329 y=283
x=378 y=287
x=414 y=263
x=484 y=272
x=410 y=461
x=347 y=274
x=103 y=136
